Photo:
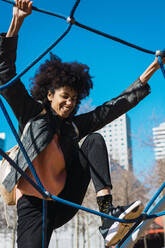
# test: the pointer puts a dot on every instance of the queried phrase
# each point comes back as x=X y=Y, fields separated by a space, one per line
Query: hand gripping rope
x=38 y=185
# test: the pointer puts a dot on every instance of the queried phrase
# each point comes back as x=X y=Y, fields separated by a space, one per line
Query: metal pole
x=145 y=242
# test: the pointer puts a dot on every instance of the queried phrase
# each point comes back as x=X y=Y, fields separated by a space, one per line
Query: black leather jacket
x=41 y=128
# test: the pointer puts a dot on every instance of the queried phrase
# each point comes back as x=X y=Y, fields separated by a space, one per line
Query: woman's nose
x=69 y=101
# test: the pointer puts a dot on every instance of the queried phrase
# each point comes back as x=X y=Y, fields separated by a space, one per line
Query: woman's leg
x=94 y=151
x=30 y=221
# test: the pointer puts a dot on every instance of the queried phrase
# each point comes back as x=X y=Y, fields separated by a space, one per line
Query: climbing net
x=146 y=215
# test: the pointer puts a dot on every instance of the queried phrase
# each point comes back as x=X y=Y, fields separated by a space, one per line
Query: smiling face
x=63 y=101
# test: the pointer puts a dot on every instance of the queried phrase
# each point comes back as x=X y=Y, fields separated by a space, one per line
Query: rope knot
x=47 y=195
x=70 y=20
x=144 y=216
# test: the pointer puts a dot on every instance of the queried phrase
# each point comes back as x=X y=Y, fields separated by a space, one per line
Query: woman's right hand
x=22 y=8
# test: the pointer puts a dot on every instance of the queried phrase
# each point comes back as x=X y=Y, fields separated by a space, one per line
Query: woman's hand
x=151 y=70
x=22 y=9
x=157 y=63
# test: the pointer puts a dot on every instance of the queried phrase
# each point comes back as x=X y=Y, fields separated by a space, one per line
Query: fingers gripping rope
x=39 y=10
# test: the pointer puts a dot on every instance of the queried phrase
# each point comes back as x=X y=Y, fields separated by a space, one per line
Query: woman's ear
x=49 y=96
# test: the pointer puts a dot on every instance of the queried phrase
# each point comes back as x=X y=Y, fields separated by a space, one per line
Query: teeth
x=66 y=109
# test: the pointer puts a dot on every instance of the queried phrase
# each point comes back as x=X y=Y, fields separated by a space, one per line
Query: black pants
x=92 y=163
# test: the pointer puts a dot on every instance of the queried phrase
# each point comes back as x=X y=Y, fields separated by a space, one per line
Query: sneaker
x=113 y=231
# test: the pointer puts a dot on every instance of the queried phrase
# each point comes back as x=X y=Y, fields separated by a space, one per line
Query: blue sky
x=112 y=65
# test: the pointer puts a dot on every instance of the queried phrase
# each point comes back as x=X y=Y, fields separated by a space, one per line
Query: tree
x=2 y=219
x=8 y=218
x=157 y=175
x=127 y=188
x=86 y=106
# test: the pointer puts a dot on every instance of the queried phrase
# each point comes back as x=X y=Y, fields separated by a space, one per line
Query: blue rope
x=161 y=65
x=71 y=204
x=39 y=10
x=128 y=234
x=39 y=185
x=74 y=8
x=14 y=79
x=89 y=28
x=32 y=169
x=45 y=194
x=21 y=145
x=55 y=198
x=38 y=188
x=44 y=226
x=147 y=216
x=150 y=216
x=23 y=174
x=154 y=198
x=43 y=223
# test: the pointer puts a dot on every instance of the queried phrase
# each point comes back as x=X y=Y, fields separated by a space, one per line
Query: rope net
x=38 y=186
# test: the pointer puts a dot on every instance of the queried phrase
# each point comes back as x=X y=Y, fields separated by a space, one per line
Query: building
x=118 y=140
x=159 y=141
x=2 y=142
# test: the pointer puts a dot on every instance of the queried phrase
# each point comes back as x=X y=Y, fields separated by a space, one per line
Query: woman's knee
x=94 y=141
x=94 y=138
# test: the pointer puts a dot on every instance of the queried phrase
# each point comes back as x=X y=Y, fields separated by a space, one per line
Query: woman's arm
x=22 y=104
x=22 y=9
x=111 y=110
x=152 y=68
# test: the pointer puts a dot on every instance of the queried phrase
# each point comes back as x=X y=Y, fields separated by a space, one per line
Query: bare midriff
x=50 y=168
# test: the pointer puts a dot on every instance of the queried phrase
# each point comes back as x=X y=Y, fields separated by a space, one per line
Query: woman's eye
x=68 y=97
x=65 y=97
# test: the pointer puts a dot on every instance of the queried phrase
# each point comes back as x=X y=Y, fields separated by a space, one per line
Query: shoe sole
x=118 y=230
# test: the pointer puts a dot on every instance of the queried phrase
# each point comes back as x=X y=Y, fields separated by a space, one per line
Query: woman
x=51 y=140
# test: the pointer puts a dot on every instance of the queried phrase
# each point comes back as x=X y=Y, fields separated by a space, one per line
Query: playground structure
x=147 y=216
